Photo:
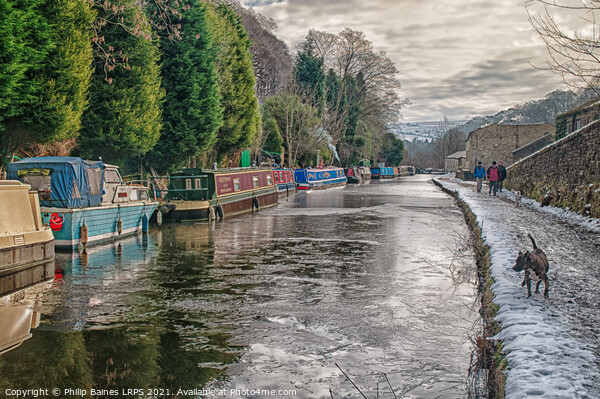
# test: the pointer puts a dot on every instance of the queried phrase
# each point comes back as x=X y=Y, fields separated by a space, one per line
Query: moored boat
x=26 y=245
x=382 y=172
x=85 y=202
x=284 y=180
x=319 y=178
x=202 y=194
x=353 y=175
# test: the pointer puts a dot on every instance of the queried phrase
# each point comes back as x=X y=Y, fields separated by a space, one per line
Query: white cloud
x=458 y=58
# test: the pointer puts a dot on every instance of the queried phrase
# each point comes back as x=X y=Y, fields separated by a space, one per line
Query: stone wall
x=565 y=174
x=532 y=147
x=497 y=142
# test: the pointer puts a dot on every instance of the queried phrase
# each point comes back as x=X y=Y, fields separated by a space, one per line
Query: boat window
x=188 y=184
x=197 y=185
x=40 y=184
x=95 y=180
x=112 y=176
x=269 y=180
x=76 y=193
x=142 y=195
x=276 y=177
x=236 y=184
x=255 y=181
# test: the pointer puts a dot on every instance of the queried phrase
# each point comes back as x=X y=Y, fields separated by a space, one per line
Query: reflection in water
x=361 y=276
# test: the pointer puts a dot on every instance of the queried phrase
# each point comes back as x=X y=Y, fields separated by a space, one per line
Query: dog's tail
x=532 y=241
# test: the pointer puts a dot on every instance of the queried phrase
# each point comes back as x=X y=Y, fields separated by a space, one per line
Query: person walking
x=502 y=177
x=493 y=175
x=479 y=174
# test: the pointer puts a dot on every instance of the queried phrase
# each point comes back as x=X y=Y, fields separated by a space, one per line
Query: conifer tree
x=25 y=40
x=192 y=110
x=123 y=120
x=241 y=117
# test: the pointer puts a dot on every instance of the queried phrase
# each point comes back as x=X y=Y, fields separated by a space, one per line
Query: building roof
x=457 y=154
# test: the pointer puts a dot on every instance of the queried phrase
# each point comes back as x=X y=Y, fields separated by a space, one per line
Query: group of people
x=496 y=174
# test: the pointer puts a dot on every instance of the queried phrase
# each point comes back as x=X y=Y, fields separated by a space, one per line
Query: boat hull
x=307 y=179
x=102 y=223
x=231 y=205
x=382 y=173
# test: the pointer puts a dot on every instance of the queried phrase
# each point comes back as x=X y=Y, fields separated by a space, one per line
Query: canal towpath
x=551 y=345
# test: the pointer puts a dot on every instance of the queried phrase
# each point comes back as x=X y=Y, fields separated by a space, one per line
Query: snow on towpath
x=552 y=345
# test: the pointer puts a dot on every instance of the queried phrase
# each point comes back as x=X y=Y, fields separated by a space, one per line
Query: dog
x=535 y=264
x=518 y=197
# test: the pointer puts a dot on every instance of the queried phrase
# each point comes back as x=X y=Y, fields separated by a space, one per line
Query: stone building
x=497 y=142
x=577 y=118
x=455 y=161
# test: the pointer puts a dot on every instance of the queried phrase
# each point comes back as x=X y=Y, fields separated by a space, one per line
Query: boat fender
x=83 y=234
x=211 y=213
x=56 y=222
x=255 y=203
x=159 y=218
x=119 y=226
x=220 y=212
x=145 y=224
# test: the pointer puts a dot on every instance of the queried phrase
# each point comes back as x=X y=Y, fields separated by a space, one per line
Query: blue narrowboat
x=85 y=202
x=319 y=178
x=382 y=172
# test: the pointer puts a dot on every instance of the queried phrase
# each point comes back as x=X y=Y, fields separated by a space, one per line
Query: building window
x=255 y=181
x=236 y=184
x=578 y=124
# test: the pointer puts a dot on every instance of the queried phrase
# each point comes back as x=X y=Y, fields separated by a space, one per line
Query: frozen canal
x=364 y=277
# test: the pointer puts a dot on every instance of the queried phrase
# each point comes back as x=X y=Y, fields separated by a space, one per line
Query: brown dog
x=536 y=268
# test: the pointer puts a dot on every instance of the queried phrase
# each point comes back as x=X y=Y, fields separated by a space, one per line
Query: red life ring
x=56 y=222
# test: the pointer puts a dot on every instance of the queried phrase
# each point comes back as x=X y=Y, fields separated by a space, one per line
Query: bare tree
x=574 y=55
x=296 y=121
x=367 y=79
x=271 y=58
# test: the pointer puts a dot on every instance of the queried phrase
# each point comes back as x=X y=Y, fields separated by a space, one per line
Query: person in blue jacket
x=479 y=174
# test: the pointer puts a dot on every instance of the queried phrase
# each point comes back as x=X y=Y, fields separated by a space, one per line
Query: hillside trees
x=192 y=110
x=241 y=117
x=45 y=71
x=124 y=117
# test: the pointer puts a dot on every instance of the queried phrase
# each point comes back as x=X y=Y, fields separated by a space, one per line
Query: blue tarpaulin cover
x=73 y=182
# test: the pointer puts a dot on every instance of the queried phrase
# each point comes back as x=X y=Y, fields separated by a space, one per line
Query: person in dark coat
x=502 y=176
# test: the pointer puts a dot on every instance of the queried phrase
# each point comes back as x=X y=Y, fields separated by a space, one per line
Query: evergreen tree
x=309 y=74
x=66 y=73
x=124 y=117
x=241 y=117
x=25 y=40
x=192 y=113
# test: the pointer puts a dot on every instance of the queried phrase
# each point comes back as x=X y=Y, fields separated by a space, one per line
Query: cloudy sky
x=457 y=58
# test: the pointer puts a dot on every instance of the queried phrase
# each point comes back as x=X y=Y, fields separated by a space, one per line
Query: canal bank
x=550 y=344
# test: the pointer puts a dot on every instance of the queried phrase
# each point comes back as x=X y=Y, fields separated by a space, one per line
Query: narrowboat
x=85 y=202
x=319 y=178
x=284 y=180
x=26 y=245
x=382 y=172
x=353 y=175
x=203 y=194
